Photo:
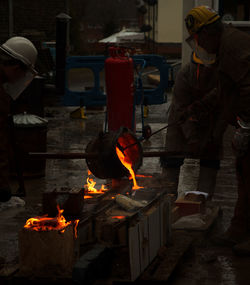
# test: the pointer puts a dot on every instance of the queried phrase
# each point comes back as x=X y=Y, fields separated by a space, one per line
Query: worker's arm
x=182 y=100
x=243 y=98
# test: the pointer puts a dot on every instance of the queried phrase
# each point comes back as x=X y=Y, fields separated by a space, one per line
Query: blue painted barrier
x=96 y=97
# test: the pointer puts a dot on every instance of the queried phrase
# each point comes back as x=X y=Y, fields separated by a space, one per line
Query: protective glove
x=194 y=148
x=240 y=142
x=196 y=112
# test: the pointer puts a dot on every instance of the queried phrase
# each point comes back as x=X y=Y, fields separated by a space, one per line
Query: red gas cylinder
x=119 y=75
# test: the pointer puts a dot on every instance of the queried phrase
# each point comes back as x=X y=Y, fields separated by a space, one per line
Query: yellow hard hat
x=199 y=17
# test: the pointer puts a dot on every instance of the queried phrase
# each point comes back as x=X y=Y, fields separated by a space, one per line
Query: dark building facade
x=91 y=20
x=34 y=19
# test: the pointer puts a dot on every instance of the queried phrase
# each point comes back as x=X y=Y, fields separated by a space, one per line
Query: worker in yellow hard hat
x=211 y=39
x=193 y=83
x=197 y=19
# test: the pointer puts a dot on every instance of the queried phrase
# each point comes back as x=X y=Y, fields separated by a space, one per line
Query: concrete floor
x=207 y=265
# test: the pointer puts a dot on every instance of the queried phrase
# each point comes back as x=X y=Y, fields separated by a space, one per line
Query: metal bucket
x=31 y=136
x=107 y=164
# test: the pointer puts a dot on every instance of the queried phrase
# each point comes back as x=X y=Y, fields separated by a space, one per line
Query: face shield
x=14 y=89
x=205 y=57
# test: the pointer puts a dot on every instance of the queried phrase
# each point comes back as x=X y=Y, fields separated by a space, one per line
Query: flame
x=125 y=161
x=91 y=187
x=118 y=217
x=89 y=172
x=45 y=223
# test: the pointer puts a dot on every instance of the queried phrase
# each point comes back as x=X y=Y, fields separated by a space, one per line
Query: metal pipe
x=71 y=155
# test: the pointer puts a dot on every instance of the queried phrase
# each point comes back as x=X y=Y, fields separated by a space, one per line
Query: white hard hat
x=21 y=49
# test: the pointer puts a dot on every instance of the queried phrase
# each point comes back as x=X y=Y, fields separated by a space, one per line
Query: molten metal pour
x=127 y=163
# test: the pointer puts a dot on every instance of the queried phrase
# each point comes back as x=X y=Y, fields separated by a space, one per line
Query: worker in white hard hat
x=17 y=61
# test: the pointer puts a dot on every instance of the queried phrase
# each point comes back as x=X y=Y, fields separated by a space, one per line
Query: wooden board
x=144 y=243
x=134 y=252
x=154 y=233
x=169 y=257
x=46 y=253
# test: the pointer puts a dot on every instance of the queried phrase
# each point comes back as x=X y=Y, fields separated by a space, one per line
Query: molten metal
x=118 y=217
x=125 y=160
x=45 y=223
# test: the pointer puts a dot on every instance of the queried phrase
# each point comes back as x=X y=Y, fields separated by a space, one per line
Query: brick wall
x=35 y=17
x=4 y=20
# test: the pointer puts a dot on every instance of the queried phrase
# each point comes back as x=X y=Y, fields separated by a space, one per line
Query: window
x=235 y=10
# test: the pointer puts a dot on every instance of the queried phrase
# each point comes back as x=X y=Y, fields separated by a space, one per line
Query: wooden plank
x=154 y=232
x=144 y=243
x=187 y=207
x=175 y=215
x=169 y=257
x=209 y=219
x=85 y=232
x=134 y=252
x=165 y=222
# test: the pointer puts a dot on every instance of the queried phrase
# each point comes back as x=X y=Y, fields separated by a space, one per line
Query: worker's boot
x=207 y=181
x=171 y=175
x=231 y=237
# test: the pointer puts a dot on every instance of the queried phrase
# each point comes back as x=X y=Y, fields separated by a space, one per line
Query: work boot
x=172 y=179
x=230 y=238
x=207 y=180
x=243 y=248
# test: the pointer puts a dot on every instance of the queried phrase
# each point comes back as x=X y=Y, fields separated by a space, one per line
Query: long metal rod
x=71 y=155
x=154 y=133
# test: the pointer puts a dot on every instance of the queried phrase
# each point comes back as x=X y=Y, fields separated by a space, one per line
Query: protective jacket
x=233 y=77
x=234 y=96
x=194 y=83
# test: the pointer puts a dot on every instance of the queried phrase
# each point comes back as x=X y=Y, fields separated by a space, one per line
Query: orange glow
x=89 y=172
x=127 y=163
x=118 y=217
x=90 y=187
x=141 y=175
x=45 y=223
x=88 y=197
x=76 y=222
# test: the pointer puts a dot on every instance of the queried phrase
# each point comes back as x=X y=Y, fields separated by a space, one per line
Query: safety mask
x=244 y=125
x=205 y=57
x=14 y=89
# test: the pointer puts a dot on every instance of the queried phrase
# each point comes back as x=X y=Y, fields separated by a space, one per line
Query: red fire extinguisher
x=119 y=75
